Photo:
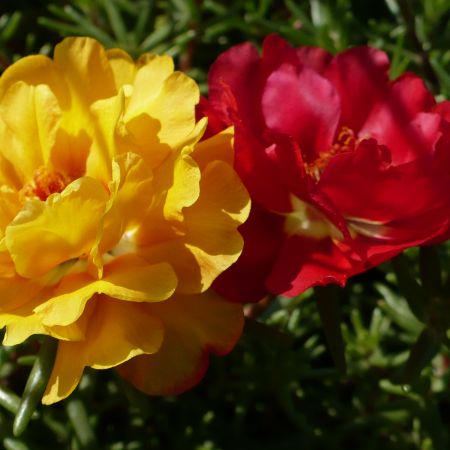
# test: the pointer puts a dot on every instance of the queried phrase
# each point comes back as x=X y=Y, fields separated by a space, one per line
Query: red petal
x=401 y=122
x=277 y=51
x=303 y=105
x=315 y=58
x=236 y=68
x=443 y=109
x=288 y=161
x=216 y=123
x=396 y=197
x=258 y=173
x=245 y=280
x=360 y=77
x=303 y=263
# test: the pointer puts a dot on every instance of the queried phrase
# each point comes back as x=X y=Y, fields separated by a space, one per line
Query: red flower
x=345 y=167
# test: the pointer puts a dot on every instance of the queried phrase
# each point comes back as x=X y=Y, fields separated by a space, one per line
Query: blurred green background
x=279 y=389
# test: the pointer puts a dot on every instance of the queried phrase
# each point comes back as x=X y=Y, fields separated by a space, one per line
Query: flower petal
x=31 y=115
x=304 y=105
x=236 y=69
x=85 y=66
x=218 y=147
x=303 y=263
x=360 y=76
x=245 y=280
x=211 y=242
x=127 y=278
x=401 y=120
x=46 y=234
x=122 y=65
x=132 y=196
x=194 y=326
x=36 y=70
x=136 y=331
x=150 y=118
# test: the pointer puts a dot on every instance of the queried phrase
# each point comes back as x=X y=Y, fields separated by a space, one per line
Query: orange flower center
x=45 y=183
x=345 y=142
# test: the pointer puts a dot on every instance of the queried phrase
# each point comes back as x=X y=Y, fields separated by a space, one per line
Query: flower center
x=345 y=142
x=45 y=183
x=305 y=220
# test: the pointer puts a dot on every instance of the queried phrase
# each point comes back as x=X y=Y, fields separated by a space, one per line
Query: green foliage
x=279 y=389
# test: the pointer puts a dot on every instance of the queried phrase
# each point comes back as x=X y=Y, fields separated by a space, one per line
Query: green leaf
x=410 y=288
x=36 y=384
x=78 y=417
x=15 y=444
x=9 y=400
x=115 y=20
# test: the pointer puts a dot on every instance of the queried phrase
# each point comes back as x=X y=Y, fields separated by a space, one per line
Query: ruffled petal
x=211 y=242
x=154 y=125
x=132 y=196
x=36 y=70
x=194 y=326
x=401 y=121
x=46 y=234
x=128 y=278
x=216 y=148
x=122 y=65
x=304 y=105
x=245 y=280
x=360 y=77
x=86 y=69
x=234 y=73
x=136 y=331
x=377 y=180
x=31 y=115
x=303 y=263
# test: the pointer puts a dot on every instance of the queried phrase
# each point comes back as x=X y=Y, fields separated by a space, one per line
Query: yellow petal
x=86 y=68
x=21 y=328
x=134 y=330
x=45 y=234
x=148 y=83
x=126 y=278
x=211 y=242
x=106 y=114
x=15 y=292
x=8 y=173
x=31 y=115
x=151 y=121
x=70 y=152
x=223 y=204
x=34 y=70
x=66 y=373
x=194 y=326
x=19 y=297
x=122 y=65
x=9 y=207
x=185 y=187
x=218 y=147
x=177 y=186
x=176 y=123
x=132 y=195
x=7 y=269
x=212 y=221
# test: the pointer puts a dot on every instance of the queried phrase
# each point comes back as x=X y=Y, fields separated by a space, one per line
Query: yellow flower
x=114 y=217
